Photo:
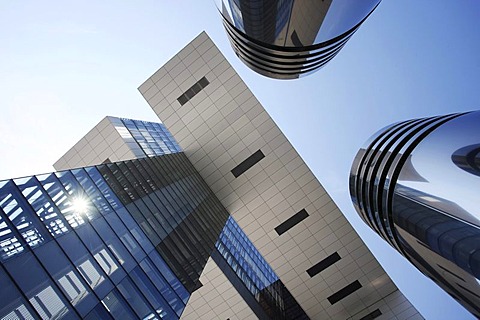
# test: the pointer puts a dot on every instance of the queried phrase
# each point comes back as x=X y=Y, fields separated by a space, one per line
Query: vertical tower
x=416 y=184
x=286 y=39
x=269 y=190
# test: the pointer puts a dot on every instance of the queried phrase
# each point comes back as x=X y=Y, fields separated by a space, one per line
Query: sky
x=64 y=65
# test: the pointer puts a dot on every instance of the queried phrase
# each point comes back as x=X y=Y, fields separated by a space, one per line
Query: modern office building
x=224 y=221
x=286 y=39
x=269 y=190
x=124 y=240
x=416 y=183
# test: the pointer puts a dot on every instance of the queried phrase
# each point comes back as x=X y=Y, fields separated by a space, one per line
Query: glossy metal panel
x=416 y=184
x=286 y=39
x=441 y=159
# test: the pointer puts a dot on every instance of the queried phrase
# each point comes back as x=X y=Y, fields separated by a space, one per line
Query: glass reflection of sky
x=152 y=138
x=432 y=159
x=344 y=15
x=76 y=211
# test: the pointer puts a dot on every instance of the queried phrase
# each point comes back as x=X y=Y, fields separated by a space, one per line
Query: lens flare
x=80 y=205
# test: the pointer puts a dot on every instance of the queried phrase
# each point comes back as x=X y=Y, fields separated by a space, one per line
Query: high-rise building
x=416 y=184
x=269 y=190
x=220 y=219
x=286 y=39
x=124 y=240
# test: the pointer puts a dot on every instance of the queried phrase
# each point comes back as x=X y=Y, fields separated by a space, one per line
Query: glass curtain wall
x=72 y=246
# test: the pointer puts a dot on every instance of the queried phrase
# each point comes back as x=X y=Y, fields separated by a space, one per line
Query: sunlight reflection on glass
x=80 y=206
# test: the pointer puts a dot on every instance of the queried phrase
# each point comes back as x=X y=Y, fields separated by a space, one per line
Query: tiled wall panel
x=101 y=143
x=223 y=125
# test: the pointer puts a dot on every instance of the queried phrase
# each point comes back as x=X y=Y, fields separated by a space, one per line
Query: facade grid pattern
x=219 y=128
x=79 y=253
x=153 y=138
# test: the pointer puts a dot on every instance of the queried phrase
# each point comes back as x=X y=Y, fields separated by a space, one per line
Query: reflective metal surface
x=417 y=184
x=286 y=39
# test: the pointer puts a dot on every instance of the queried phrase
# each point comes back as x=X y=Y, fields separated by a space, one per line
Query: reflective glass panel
x=35 y=283
x=86 y=264
x=13 y=305
x=136 y=300
x=66 y=276
x=117 y=306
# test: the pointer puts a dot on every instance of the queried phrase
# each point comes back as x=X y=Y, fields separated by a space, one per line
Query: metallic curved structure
x=286 y=39
x=417 y=184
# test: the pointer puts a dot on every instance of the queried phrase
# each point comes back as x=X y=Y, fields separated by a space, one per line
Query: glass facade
x=105 y=241
x=256 y=275
x=146 y=139
x=175 y=208
x=244 y=258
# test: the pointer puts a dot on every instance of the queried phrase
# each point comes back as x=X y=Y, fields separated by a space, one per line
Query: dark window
x=203 y=82
x=193 y=90
x=322 y=265
x=182 y=99
x=342 y=293
x=291 y=222
x=372 y=315
x=248 y=163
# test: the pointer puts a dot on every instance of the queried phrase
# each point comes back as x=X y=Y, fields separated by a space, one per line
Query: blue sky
x=64 y=66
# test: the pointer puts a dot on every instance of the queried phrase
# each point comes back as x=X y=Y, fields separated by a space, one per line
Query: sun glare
x=80 y=205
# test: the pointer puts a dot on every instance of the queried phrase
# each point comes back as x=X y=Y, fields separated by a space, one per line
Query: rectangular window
x=322 y=265
x=248 y=163
x=135 y=299
x=291 y=222
x=344 y=292
x=372 y=315
x=193 y=90
x=86 y=265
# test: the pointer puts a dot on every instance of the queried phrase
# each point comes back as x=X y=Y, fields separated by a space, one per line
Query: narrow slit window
x=291 y=222
x=248 y=163
x=344 y=292
x=372 y=315
x=324 y=264
x=193 y=90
